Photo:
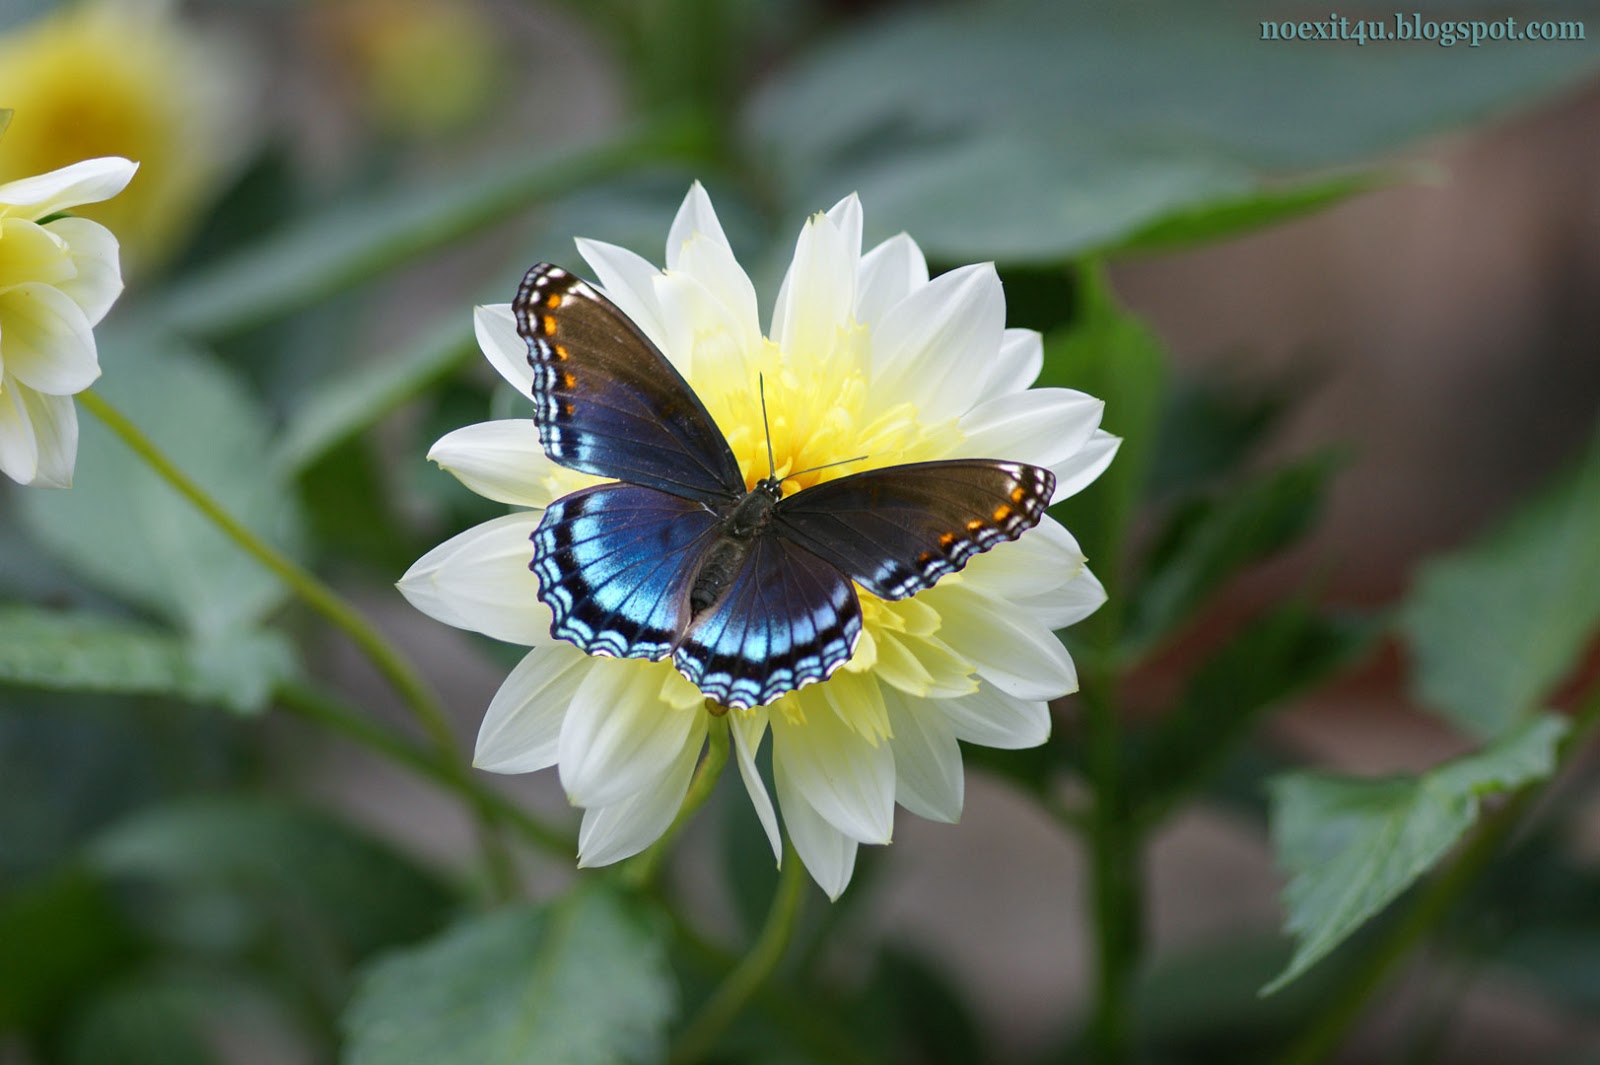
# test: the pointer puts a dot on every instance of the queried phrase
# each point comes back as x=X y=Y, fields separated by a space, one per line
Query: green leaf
x=1211 y=537
x=89 y=652
x=583 y=982
x=1494 y=628
x=122 y=528
x=1256 y=209
x=1038 y=131
x=1285 y=651
x=1352 y=846
x=1211 y=426
x=355 y=242
x=349 y=402
x=1110 y=354
x=218 y=872
x=59 y=938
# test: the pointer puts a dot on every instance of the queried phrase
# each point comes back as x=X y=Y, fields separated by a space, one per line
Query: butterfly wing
x=788 y=619
x=897 y=530
x=607 y=402
x=615 y=563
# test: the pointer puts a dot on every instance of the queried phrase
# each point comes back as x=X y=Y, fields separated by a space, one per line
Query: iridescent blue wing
x=615 y=563
x=897 y=530
x=607 y=402
x=789 y=619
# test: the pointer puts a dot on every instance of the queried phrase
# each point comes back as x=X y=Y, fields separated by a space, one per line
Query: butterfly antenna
x=772 y=465
x=825 y=465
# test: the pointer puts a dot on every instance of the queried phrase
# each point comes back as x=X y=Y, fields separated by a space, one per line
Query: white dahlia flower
x=58 y=277
x=865 y=356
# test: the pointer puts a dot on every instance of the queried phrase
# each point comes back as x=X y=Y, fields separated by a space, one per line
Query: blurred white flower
x=129 y=78
x=865 y=356
x=58 y=277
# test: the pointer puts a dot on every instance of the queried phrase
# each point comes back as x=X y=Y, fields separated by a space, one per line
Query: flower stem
x=641 y=872
x=323 y=710
x=1434 y=902
x=753 y=969
x=413 y=690
x=1115 y=888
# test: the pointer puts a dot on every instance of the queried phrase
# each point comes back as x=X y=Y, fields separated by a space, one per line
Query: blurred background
x=1390 y=252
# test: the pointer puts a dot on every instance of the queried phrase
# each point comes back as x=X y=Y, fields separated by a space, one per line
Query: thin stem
x=1114 y=886
x=323 y=710
x=1432 y=904
x=413 y=690
x=641 y=872
x=740 y=985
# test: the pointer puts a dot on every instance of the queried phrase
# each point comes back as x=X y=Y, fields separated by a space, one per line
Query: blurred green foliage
x=157 y=886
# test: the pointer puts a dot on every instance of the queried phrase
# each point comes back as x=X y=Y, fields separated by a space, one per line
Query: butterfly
x=751 y=592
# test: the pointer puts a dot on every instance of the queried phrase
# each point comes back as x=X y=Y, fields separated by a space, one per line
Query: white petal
x=521 y=728
x=817 y=296
x=479 y=580
x=748 y=728
x=828 y=854
x=695 y=217
x=90 y=181
x=55 y=436
x=619 y=738
x=500 y=460
x=1078 y=472
x=937 y=346
x=1043 y=560
x=991 y=718
x=1017 y=366
x=846 y=779
x=19 y=451
x=496 y=329
x=46 y=342
x=1067 y=605
x=928 y=779
x=889 y=273
x=1016 y=654
x=1042 y=426
x=846 y=218
x=622 y=829
x=712 y=264
x=628 y=280
x=95 y=254
x=701 y=337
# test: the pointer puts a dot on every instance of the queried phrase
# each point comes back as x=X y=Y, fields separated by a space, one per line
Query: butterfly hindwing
x=897 y=530
x=615 y=563
x=607 y=401
x=788 y=619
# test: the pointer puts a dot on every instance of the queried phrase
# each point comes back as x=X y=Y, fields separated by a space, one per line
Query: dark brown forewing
x=608 y=402
x=897 y=530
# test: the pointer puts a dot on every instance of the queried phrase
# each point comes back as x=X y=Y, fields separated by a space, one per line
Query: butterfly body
x=752 y=593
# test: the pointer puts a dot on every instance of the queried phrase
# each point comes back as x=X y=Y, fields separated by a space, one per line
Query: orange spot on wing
x=562 y=354
x=548 y=324
x=1018 y=494
x=1002 y=512
x=553 y=300
x=568 y=381
x=947 y=539
x=974 y=525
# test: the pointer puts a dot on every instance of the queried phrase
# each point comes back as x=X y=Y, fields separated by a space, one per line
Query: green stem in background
x=329 y=713
x=413 y=690
x=1116 y=906
x=740 y=985
x=641 y=872
x=1432 y=904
